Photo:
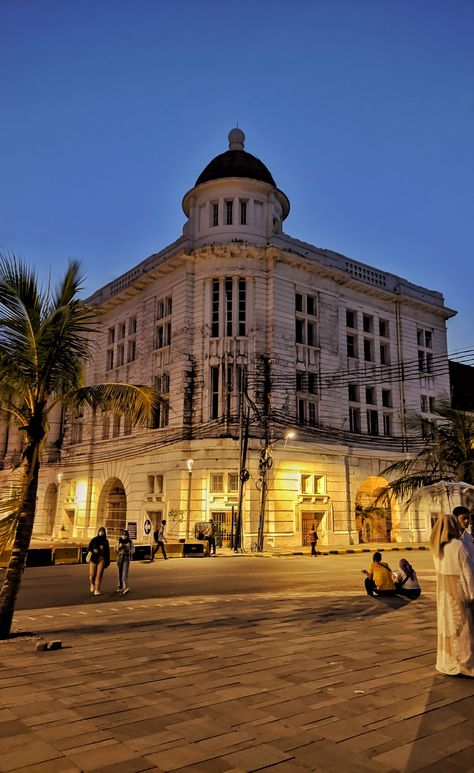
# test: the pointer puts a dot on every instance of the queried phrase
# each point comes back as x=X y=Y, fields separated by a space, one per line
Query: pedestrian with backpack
x=159 y=539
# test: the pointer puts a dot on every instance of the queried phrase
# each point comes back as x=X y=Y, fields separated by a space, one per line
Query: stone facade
x=327 y=356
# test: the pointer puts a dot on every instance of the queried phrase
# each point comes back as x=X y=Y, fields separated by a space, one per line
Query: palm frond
x=136 y=401
x=12 y=497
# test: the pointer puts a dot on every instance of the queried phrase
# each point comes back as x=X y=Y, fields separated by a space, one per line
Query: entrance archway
x=50 y=508
x=373 y=520
x=112 y=509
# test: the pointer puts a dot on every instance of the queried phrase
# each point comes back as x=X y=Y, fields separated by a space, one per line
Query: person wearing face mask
x=99 y=550
x=125 y=551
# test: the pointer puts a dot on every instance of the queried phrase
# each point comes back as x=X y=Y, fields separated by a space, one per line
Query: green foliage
x=447 y=455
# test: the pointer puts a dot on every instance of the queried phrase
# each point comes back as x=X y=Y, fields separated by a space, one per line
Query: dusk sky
x=363 y=110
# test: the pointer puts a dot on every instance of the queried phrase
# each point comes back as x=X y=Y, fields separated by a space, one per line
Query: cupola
x=235 y=198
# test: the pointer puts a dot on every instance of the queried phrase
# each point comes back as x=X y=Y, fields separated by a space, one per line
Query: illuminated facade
x=325 y=355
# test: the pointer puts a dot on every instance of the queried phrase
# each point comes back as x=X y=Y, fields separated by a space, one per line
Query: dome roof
x=236 y=162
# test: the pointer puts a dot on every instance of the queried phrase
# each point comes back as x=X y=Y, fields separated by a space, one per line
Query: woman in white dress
x=455 y=598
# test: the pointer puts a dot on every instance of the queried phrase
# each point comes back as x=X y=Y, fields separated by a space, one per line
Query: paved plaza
x=266 y=681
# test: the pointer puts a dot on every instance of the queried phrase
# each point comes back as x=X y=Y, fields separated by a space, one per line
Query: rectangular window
x=116 y=425
x=214 y=213
x=368 y=323
x=300 y=378
x=243 y=213
x=111 y=335
x=151 y=484
x=428 y=339
x=424 y=403
x=370 y=395
x=372 y=422
x=131 y=350
x=312 y=383
x=105 y=428
x=386 y=398
x=233 y=482
x=132 y=326
x=384 y=328
x=298 y=302
x=214 y=392
x=121 y=330
x=217 y=483
x=387 y=424
x=384 y=354
x=299 y=323
x=351 y=318
x=422 y=362
x=313 y=484
x=354 y=419
x=312 y=414
x=120 y=355
x=301 y=412
x=432 y=404
x=353 y=390
x=242 y=308
x=215 y=309
x=228 y=212
x=110 y=359
x=429 y=362
x=368 y=350
x=310 y=334
x=311 y=305
x=306 y=484
x=352 y=346
x=228 y=307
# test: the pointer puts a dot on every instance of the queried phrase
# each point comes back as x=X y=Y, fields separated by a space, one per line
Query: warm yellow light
x=81 y=493
x=290 y=435
x=189 y=465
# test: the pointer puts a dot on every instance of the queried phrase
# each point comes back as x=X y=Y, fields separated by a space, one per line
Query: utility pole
x=266 y=460
x=243 y=472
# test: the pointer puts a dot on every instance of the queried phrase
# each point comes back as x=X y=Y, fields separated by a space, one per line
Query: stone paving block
x=116 y=755
x=257 y=757
x=129 y=766
x=153 y=742
x=69 y=729
x=58 y=765
x=12 y=727
x=424 y=751
x=180 y=757
x=27 y=754
x=85 y=742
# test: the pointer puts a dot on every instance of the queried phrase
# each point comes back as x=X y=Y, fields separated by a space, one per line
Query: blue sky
x=363 y=110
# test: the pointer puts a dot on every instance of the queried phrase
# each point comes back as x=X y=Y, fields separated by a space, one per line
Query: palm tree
x=447 y=454
x=44 y=342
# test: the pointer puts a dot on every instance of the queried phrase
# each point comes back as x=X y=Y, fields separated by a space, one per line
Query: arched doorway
x=112 y=510
x=373 y=520
x=50 y=508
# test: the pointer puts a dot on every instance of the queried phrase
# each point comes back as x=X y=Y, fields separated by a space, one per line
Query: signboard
x=147 y=527
x=132 y=529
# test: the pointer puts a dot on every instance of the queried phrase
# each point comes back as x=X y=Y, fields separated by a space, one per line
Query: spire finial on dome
x=236 y=139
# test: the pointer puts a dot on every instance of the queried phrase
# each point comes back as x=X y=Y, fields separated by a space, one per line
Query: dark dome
x=236 y=163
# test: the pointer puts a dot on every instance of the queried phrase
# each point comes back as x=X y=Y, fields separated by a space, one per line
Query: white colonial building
x=312 y=359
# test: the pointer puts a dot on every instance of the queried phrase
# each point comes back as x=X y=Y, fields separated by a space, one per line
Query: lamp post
x=289 y=436
x=189 y=465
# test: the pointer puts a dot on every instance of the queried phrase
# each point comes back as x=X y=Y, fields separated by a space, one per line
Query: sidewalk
x=282 y=683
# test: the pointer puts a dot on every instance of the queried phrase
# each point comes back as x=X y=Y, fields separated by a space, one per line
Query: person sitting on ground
x=379 y=580
x=406 y=581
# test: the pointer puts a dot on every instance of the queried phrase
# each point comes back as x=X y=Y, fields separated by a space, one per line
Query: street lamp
x=189 y=465
x=289 y=436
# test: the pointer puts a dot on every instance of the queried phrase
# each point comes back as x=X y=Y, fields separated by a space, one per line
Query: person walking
x=125 y=551
x=99 y=550
x=211 y=537
x=406 y=581
x=160 y=539
x=454 y=598
x=379 y=580
x=312 y=536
